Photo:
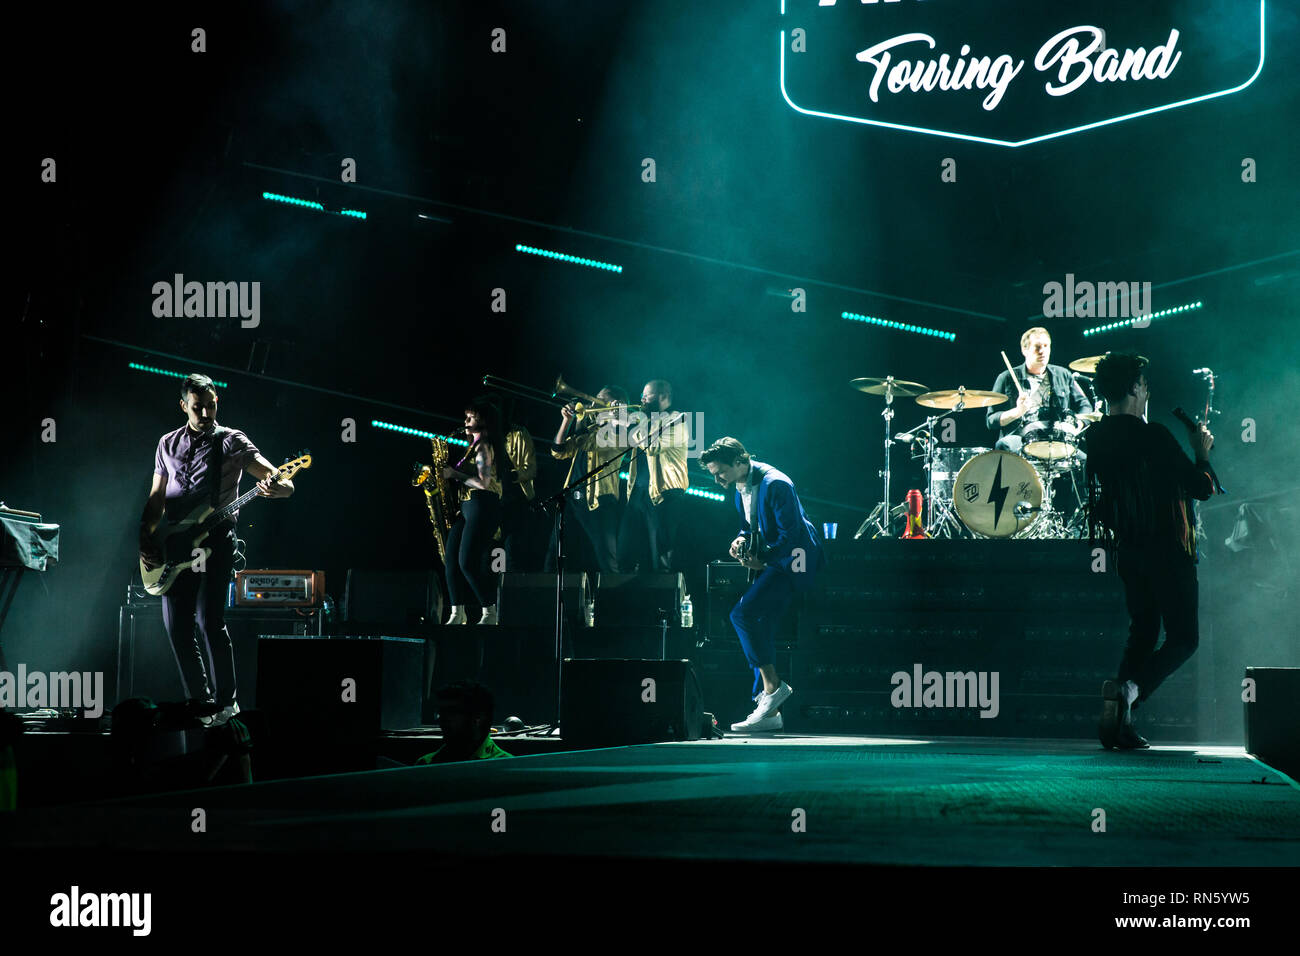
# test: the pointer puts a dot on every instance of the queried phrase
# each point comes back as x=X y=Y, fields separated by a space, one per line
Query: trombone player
x=656 y=482
x=597 y=505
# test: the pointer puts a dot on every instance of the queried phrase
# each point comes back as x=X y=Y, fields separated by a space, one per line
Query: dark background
x=163 y=153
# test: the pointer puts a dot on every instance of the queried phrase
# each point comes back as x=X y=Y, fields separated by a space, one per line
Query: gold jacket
x=594 y=456
x=520 y=451
x=666 y=456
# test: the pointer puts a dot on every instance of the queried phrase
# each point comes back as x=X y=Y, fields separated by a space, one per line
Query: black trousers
x=204 y=654
x=519 y=535
x=647 y=536
x=590 y=537
x=468 y=545
x=1158 y=588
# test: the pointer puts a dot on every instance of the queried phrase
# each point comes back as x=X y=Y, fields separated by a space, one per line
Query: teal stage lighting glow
x=694 y=492
x=563 y=257
x=417 y=432
x=1163 y=313
x=162 y=371
x=899 y=326
x=311 y=204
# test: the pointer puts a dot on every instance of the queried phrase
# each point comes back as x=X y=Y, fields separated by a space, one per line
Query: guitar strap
x=215 y=460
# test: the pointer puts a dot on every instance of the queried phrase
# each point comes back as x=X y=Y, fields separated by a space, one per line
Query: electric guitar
x=177 y=541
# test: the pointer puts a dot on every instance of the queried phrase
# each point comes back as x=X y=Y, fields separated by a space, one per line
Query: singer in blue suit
x=788 y=556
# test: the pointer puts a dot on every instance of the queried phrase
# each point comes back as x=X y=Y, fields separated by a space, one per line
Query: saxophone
x=439 y=495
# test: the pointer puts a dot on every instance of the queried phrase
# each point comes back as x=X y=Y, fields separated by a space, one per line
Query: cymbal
x=1088 y=366
x=950 y=398
x=1089 y=417
x=878 y=386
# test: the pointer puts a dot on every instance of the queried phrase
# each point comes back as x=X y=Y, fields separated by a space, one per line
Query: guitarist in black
x=1140 y=490
x=196 y=460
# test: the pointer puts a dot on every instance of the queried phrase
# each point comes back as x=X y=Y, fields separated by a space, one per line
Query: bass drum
x=990 y=487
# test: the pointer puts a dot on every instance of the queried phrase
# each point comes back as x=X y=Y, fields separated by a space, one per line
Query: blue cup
x=829 y=529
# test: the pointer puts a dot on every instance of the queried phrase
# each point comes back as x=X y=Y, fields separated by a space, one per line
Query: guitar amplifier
x=267 y=588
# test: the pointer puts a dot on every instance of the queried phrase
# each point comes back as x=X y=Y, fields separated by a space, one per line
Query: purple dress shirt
x=184 y=457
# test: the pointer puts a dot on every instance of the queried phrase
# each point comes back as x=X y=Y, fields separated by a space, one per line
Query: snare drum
x=1052 y=441
x=990 y=487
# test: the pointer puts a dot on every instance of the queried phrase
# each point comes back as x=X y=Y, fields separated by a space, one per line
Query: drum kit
x=983 y=492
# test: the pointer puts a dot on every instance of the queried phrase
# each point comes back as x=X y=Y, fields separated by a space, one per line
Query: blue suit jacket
x=783 y=525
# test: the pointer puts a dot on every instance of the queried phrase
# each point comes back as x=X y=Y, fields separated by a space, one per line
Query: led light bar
x=311 y=204
x=289 y=200
x=695 y=492
x=1189 y=307
x=900 y=326
x=417 y=432
x=162 y=371
x=563 y=257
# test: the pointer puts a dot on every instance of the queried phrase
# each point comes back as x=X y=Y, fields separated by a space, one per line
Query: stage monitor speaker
x=605 y=702
x=146 y=665
x=525 y=599
x=640 y=599
x=401 y=600
x=1273 y=717
x=339 y=687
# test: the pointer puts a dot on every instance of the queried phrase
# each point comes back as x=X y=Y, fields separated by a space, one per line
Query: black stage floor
x=872 y=800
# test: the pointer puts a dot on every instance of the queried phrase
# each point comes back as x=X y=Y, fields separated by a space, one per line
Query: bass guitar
x=181 y=542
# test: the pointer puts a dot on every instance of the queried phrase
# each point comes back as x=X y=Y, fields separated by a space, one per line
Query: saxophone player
x=470 y=539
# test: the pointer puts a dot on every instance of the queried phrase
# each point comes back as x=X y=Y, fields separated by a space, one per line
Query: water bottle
x=688 y=613
x=589 y=612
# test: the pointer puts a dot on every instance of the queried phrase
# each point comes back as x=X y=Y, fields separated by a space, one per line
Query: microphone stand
x=559 y=502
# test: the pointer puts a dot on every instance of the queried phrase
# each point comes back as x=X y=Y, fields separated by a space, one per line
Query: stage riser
x=1019 y=715
x=1273 y=717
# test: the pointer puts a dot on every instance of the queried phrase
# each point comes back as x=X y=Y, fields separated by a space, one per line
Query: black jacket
x=1067 y=396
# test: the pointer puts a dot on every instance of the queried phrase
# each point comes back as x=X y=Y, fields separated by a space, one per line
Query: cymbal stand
x=882 y=516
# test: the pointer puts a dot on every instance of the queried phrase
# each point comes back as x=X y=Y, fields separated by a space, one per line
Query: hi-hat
x=967 y=398
x=879 y=386
x=1088 y=366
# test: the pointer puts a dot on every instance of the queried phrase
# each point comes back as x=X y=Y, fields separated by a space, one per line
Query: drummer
x=1047 y=393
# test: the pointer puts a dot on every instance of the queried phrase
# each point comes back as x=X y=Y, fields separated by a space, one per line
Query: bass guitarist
x=196 y=460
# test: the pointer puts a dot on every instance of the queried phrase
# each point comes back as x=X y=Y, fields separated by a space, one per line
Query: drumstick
x=1010 y=371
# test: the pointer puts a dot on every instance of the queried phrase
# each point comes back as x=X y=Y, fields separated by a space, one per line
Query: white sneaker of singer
x=457 y=615
x=768 y=704
x=759 y=725
x=489 y=615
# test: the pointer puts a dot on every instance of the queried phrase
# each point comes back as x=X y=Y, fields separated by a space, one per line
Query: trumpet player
x=777 y=540
x=597 y=505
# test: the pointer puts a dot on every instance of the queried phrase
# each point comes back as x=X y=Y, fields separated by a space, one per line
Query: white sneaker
x=768 y=703
x=489 y=615
x=758 y=725
x=223 y=715
x=458 y=615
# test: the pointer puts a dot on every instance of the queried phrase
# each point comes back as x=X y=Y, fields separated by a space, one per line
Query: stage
x=885 y=801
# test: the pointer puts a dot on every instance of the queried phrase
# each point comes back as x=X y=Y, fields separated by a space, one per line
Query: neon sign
x=938 y=68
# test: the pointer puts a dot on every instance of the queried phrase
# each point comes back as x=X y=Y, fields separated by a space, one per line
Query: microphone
x=1024 y=508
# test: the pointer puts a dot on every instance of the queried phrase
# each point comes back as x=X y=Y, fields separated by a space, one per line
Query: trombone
x=586 y=404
